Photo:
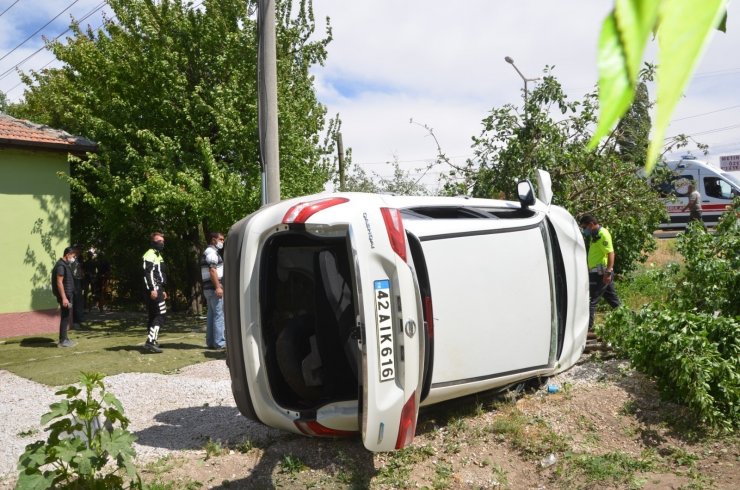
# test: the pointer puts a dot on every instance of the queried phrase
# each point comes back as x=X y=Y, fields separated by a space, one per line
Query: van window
x=677 y=186
x=718 y=188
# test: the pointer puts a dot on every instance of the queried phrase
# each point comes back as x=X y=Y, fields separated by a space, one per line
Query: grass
x=646 y=284
x=397 y=469
x=111 y=344
x=531 y=436
x=610 y=468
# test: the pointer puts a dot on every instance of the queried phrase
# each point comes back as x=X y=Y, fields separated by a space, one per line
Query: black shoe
x=152 y=347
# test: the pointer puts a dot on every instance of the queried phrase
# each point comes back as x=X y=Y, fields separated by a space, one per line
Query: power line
x=39 y=30
x=11 y=6
x=707 y=113
x=23 y=83
x=10 y=70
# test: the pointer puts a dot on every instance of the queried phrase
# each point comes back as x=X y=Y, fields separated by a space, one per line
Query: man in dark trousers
x=600 y=265
x=154 y=281
x=63 y=288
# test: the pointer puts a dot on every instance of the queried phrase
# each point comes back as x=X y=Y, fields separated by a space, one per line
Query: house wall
x=35 y=226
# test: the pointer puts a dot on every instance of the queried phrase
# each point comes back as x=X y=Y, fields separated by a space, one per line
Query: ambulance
x=717 y=189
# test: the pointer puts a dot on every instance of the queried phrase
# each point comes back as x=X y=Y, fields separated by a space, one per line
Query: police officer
x=154 y=281
x=600 y=265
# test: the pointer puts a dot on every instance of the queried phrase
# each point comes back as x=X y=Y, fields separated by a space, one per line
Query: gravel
x=168 y=413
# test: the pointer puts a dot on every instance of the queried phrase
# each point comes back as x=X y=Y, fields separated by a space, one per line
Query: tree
x=633 y=131
x=169 y=93
x=512 y=145
x=402 y=183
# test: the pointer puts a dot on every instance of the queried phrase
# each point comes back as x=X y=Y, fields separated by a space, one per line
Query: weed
x=499 y=476
x=442 y=476
x=610 y=468
x=292 y=465
x=457 y=426
x=628 y=408
x=82 y=441
x=531 y=437
x=452 y=447
x=161 y=466
x=28 y=433
x=213 y=449
x=681 y=457
x=171 y=485
x=245 y=446
x=396 y=471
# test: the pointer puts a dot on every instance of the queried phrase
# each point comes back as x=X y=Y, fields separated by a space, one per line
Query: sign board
x=729 y=163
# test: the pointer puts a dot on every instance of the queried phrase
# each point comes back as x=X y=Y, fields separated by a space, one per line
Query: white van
x=717 y=189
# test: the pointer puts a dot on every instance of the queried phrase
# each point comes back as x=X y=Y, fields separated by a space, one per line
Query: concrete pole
x=340 y=152
x=267 y=104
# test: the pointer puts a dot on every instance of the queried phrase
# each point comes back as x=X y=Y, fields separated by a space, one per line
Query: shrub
x=691 y=345
x=710 y=281
x=81 y=442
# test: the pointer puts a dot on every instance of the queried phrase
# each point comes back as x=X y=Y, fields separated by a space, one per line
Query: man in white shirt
x=212 y=273
x=694 y=205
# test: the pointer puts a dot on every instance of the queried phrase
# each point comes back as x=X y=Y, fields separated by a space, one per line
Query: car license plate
x=386 y=358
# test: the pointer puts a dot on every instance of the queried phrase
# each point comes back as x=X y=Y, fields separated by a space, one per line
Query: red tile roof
x=21 y=133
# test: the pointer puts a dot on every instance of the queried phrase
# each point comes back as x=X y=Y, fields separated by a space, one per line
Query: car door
x=391 y=323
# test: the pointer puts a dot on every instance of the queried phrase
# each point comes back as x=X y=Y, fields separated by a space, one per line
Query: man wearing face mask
x=600 y=265
x=212 y=273
x=154 y=281
x=63 y=288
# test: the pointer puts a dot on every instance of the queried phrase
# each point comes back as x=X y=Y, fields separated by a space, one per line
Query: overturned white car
x=346 y=312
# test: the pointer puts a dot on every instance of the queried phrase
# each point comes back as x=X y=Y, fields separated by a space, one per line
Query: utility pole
x=267 y=103
x=340 y=152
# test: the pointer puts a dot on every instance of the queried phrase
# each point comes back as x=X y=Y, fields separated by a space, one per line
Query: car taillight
x=304 y=210
x=428 y=318
x=313 y=428
x=407 y=427
x=396 y=233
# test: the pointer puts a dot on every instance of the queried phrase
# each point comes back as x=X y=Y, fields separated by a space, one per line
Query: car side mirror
x=526 y=193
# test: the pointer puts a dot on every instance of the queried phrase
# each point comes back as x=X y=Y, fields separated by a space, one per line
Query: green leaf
x=34 y=480
x=635 y=20
x=615 y=87
x=59 y=409
x=685 y=28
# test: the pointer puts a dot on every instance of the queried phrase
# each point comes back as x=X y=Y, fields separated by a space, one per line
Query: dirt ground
x=604 y=428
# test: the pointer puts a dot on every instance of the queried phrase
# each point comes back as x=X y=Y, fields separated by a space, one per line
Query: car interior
x=307 y=320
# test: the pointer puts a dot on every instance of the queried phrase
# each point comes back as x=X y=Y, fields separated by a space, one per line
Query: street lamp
x=511 y=62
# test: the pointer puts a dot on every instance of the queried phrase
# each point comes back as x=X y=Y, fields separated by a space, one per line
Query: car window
x=464 y=212
x=442 y=212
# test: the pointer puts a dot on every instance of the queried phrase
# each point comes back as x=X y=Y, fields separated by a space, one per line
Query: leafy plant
x=213 y=448
x=694 y=357
x=292 y=464
x=691 y=345
x=82 y=440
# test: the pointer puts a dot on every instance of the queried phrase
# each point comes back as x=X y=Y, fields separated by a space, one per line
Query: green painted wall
x=34 y=219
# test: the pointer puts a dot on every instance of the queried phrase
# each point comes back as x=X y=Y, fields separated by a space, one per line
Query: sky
x=440 y=64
